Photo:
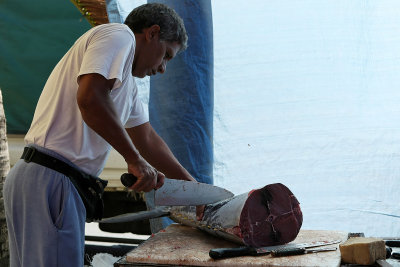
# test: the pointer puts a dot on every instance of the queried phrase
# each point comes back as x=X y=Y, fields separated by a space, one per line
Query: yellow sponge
x=362 y=250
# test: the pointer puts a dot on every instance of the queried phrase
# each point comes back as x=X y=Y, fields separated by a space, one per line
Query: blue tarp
x=181 y=100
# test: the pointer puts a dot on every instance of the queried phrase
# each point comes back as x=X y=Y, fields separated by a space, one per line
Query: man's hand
x=148 y=178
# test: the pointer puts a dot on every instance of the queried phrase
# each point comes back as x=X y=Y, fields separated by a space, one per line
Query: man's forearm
x=153 y=148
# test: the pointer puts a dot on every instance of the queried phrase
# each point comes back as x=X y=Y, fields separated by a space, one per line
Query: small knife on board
x=220 y=253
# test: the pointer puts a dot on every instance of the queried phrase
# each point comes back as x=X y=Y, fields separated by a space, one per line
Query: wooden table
x=180 y=245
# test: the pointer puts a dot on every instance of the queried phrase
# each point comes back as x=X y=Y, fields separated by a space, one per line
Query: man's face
x=153 y=56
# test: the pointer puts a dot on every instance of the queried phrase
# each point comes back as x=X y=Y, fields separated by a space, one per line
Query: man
x=89 y=103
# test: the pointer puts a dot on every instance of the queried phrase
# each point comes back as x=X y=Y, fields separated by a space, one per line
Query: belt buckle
x=29 y=154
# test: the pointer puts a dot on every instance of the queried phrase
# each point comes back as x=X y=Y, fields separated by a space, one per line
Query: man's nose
x=162 y=67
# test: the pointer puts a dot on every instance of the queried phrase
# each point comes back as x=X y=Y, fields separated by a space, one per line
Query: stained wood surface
x=185 y=246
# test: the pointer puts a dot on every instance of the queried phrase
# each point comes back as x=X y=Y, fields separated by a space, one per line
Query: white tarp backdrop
x=307 y=94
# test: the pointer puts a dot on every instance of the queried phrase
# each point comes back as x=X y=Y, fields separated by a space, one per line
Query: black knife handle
x=288 y=252
x=389 y=251
x=392 y=243
x=220 y=253
x=395 y=255
x=128 y=179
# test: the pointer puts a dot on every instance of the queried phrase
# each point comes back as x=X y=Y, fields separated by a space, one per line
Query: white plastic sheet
x=307 y=94
x=103 y=260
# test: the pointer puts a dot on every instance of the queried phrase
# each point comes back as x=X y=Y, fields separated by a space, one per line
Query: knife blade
x=183 y=193
x=299 y=251
x=219 y=253
x=138 y=216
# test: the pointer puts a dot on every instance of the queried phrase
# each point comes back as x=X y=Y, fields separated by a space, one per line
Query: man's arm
x=99 y=114
x=153 y=148
x=157 y=153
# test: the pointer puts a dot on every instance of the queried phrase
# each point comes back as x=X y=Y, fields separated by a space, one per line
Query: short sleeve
x=109 y=52
x=139 y=114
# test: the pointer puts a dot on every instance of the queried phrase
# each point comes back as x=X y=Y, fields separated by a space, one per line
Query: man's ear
x=152 y=32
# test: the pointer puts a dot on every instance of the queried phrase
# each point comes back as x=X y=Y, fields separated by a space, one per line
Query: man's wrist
x=133 y=157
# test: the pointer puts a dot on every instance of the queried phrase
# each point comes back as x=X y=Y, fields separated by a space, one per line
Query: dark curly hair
x=171 y=25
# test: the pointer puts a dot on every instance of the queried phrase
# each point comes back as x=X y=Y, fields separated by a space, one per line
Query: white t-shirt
x=109 y=50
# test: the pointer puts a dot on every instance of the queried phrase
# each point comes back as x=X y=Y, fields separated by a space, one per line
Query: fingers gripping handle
x=128 y=179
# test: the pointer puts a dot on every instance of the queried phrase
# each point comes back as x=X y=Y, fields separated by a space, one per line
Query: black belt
x=31 y=154
x=89 y=187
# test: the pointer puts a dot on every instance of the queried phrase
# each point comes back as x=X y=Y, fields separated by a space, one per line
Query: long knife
x=220 y=253
x=138 y=216
x=183 y=193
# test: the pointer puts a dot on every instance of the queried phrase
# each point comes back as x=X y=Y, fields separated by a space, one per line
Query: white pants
x=45 y=217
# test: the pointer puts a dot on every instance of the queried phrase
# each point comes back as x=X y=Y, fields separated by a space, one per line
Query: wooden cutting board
x=186 y=246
